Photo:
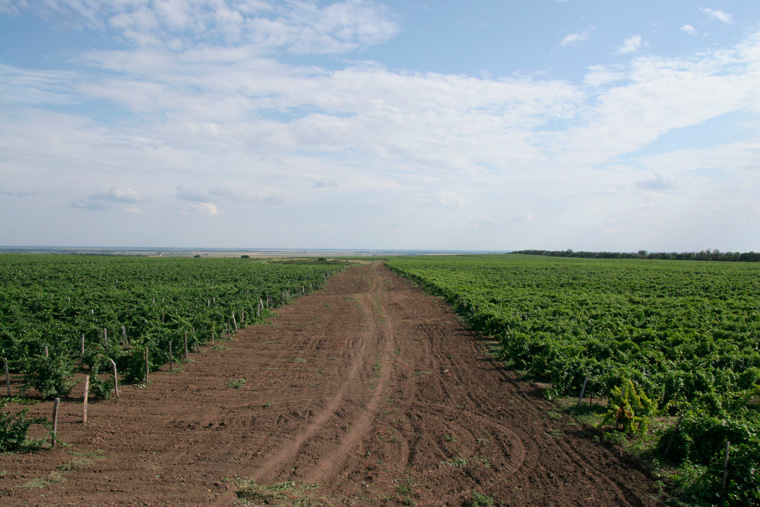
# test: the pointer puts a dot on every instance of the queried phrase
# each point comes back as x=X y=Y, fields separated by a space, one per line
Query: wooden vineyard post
x=105 y=337
x=234 y=321
x=147 y=364
x=124 y=334
x=171 y=365
x=185 y=346
x=46 y=351
x=7 y=376
x=583 y=391
x=725 y=465
x=115 y=379
x=86 y=394
x=55 y=421
x=213 y=337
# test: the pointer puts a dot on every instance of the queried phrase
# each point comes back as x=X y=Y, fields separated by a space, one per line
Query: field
x=660 y=338
x=370 y=391
x=367 y=392
x=57 y=308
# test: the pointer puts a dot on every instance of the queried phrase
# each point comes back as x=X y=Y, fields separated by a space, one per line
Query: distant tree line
x=704 y=255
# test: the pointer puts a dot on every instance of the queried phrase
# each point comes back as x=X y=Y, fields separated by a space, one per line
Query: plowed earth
x=368 y=392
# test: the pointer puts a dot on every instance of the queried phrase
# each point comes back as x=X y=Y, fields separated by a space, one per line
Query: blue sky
x=488 y=125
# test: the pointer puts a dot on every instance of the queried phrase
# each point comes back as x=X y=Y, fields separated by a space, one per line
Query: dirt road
x=368 y=392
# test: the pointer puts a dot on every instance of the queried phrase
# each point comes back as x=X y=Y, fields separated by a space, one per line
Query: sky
x=491 y=125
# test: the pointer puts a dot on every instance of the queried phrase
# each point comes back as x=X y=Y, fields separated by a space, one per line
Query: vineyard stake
x=673 y=436
x=583 y=391
x=147 y=364
x=213 y=336
x=171 y=366
x=725 y=465
x=55 y=421
x=105 y=337
x=46 y=351
x=124 y=334
x=185 y=346
x=234 y=321
x=86 y=393
x=7 y=377
x=115 y=379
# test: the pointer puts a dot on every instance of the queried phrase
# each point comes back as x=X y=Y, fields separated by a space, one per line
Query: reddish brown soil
x=369 y=392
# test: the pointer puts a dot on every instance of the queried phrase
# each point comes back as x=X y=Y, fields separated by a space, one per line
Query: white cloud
x=104 y=200
x=204 y=209
x=36 y=87
x=134 y=211
x=717 y=14
x=656 y=183
x=599 y=75
x=630 y=45
x=449 y=200
x=689 y=29
x=574 y=38
x=89 y=204
x=187 y=195
x=274 y=200
x=299 y=26
x=325 y=183
x=523 y=216
x=16 y=193
x=115 y=194
x=658 y=96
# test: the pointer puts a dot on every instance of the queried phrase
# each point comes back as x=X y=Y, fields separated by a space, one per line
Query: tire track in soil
x=370 y=389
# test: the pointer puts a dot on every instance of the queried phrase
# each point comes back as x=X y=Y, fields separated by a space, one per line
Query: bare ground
x=368 y=392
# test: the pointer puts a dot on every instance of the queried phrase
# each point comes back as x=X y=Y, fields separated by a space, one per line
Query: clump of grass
x=236 y=384
x=281 y=493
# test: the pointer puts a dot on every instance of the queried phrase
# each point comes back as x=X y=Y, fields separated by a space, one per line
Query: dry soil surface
x=368 y=392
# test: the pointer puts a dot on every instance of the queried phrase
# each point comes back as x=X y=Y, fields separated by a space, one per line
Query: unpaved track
x=370 y=390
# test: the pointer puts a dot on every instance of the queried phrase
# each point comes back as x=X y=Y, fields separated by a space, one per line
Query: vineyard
x=62 y=313
x=678 y=341
x=673 y=349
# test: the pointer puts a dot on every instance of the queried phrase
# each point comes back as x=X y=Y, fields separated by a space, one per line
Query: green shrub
x=136 y=365
x=101 y=388
x=14 y=430
x=630 y=409
x=50 y=376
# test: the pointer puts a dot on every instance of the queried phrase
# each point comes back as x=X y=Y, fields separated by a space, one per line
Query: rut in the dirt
x=368 y=392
